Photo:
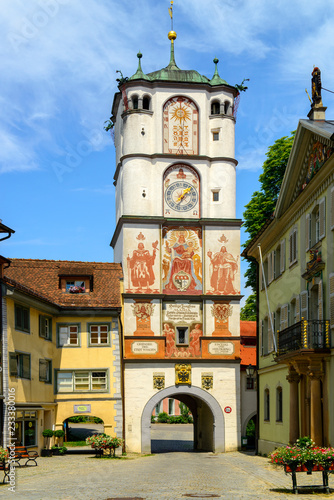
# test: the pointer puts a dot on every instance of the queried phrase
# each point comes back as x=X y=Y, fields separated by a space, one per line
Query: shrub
x=47 y=433
x=163 y=417
x=104 y=442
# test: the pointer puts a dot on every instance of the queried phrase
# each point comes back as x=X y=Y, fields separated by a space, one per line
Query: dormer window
x=76 y=284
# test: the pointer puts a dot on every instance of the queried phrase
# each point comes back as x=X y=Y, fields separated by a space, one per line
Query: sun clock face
x=180 y=126
x=181 y=192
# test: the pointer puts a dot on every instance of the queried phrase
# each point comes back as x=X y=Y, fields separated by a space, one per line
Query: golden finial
x=171 y=34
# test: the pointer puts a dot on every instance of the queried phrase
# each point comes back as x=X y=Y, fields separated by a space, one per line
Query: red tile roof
x=248 y=343
x=41 y=277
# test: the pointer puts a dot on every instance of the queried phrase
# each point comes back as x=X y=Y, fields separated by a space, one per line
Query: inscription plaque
x=219 y=348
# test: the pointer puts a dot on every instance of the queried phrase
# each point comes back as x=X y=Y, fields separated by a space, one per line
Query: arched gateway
x=209 y=424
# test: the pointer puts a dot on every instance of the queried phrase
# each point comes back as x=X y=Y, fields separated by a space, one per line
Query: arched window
x=146 y=102
x=266 y=405
x=215 y=108
x=134 y=102
x=226 y=107
x=279 y=404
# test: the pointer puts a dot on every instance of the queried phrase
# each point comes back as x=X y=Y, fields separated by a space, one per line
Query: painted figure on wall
x=140 y=267
x=182 y=261
x=189 y=351
x=223 y=270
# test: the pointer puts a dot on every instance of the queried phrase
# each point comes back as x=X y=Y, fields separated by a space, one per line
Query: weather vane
x=170 y=10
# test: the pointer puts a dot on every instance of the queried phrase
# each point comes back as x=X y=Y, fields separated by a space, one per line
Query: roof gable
x=312 y=147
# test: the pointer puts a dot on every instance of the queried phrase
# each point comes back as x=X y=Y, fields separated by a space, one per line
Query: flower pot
x=46 y=453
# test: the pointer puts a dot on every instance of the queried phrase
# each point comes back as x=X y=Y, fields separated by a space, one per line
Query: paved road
x=164 y=476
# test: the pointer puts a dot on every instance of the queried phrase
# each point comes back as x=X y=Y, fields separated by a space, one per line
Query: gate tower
x=178 y=241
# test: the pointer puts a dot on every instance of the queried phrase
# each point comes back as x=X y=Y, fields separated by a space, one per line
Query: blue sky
x=58 y=76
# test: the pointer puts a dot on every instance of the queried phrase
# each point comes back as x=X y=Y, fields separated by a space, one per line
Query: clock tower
x=178 y=241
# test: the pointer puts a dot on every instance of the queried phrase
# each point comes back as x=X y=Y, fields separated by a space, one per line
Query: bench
x=21 y=453
x=4 y=466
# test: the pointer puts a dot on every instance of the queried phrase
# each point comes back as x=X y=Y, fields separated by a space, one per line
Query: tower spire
x=172 y=36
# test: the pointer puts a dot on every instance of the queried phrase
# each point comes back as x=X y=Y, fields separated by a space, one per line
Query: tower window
x=215 y=136
x=181 y=335
x=215 y=108
x=215 y=195
x=135 y=102
x=226 y=107
x=146 y=102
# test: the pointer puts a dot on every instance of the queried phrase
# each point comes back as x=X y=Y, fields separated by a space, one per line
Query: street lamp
x=250 y=369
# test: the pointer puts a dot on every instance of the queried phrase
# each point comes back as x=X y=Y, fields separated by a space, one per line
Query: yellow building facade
x=61 y=351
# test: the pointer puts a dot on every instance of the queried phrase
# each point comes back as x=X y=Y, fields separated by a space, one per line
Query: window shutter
x=273 y=261
x=331 y=298
x=308 y=232
x=322 y=218
x=270 y=336
x=304 y=304
x=332 y=208
x=320 y=302
x=13 y=364
x=295 y=249
x=43 y=366
x=261 y=276
x=297 y=308
x=284 y=316
x=291 y=248
x=42 y=329
x=262 y=328
x=18 y=317
x=282 y=256
x=269 y=268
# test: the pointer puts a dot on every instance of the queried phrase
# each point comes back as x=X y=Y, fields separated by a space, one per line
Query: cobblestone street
x=164 y=476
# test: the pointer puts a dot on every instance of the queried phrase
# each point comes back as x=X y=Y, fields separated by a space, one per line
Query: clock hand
x=186 y=191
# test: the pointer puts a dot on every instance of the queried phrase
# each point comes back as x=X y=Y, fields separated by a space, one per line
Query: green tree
x=248 y=312
x=263 y=202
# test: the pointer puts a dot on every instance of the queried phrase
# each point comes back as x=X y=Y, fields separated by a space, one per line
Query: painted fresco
x=182 y=260
x=223 y=268
x=141 y=263
x=143 y=311
x=193 y=350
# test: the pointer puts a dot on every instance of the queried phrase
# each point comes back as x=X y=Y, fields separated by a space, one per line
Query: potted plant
x=101 y=442
x=58 y=450
x=46 y=452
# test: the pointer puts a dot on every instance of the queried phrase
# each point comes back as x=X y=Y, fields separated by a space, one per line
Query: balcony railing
x=311 y=334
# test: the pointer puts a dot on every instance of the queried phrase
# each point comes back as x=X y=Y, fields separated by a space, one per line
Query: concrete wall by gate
x=217 y=420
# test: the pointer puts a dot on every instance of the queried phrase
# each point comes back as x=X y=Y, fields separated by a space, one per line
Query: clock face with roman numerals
x=181 y=192
x=180 y=126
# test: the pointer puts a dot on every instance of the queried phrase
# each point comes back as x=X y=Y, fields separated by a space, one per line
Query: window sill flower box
x=76 y=289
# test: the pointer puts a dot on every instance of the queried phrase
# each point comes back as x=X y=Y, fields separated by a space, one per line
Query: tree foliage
x=263 y=202
x=248 y=311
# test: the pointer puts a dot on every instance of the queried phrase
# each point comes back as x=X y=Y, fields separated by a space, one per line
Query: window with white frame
x=82 y=381
x=99 y=334
x=75 y=286
x=293 y=246
x=171 y=406
x=68 y=335
x=315 y=228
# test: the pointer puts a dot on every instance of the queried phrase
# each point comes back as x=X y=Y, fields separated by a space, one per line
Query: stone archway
x=209 y=423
